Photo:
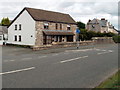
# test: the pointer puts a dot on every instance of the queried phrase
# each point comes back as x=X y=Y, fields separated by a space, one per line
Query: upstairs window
x=93 y=26
x=15 y=27
x=56 y=26
x=15 y=38
x=0 y=37
x=68 y=27
x=19 y=26
x=60 y=26
x=19 y=38
x=46 y=26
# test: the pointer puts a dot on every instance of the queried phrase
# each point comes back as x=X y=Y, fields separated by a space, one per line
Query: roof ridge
x=46 y=10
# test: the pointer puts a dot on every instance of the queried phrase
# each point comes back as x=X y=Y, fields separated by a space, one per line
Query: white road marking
x=8 y=60
x=26 y=58
x=12 y=60
x=78 y=50
x=105 y=52
x=110 y=50
x=66 y=53
x=73 y=59
x=42 y=56
x=97 y=49
x=54 y=54
x=15 y=71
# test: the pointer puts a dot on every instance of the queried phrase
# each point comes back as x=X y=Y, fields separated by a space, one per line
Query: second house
x=36 y=27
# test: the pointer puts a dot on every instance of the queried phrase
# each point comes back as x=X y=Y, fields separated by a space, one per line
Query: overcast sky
x=80 y=10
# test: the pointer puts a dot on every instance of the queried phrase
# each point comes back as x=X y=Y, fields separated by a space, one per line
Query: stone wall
x=95 y=41
x=39 y=34
x=63 y=45
x=102 y=40
x=52 y=26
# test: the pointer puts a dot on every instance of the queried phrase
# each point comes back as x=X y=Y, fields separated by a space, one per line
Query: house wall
x=39 y=34
x=1 y=40
x=52 y=26
x=96 y=28
x=104 y=29
x=27 y=31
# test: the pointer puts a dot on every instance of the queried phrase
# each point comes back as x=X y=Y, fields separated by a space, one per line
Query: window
x=60 y=26
x=68 y=27
x=19 y=38
x=15 y=27
x=19 y=26
x=93 y=26
x=15 y=38
x=56 y=26
x=0 y=37
x=46 y=26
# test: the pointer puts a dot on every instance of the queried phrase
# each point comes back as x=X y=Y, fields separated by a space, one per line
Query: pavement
x=85 y=67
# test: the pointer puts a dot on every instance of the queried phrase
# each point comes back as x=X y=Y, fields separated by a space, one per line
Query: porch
x=50 y=37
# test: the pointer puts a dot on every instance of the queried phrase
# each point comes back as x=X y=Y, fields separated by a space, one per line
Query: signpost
x=77 y=37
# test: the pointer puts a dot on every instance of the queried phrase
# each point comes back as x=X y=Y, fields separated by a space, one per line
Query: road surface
x=58 y=68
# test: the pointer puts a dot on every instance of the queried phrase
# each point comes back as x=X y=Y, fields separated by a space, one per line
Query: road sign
x=77 y=31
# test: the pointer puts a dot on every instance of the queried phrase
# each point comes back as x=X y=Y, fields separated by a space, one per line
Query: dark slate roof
x=50 y=16
x=44 y=15
x=3 y=30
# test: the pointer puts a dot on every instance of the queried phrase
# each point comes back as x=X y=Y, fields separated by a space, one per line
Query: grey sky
x=80 y=10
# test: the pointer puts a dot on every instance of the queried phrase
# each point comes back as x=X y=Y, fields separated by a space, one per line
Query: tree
x=81 y=25
x=83 y=34
x=91 y=34
x=5 y=21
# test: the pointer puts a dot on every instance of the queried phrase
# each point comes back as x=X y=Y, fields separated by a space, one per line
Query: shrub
x=116 y=39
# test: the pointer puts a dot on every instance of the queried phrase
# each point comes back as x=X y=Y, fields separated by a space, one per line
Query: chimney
x=89 y=20
x=102 y=18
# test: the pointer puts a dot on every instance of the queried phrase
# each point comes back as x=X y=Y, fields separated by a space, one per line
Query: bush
x=87 y=35
x=116 y=39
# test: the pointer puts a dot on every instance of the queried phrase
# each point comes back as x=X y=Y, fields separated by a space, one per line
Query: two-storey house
x=36 y=27
x=102 y=26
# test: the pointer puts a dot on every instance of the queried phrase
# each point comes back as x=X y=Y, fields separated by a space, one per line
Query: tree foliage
x=81 y=25
x=5 y=21
x=87 y=35
x=116 y=38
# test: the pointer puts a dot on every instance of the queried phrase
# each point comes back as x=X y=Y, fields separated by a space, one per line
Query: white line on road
x=9 y=60
x=78 y=50
x=26 y=58
x=110 y=51
x=12 y=60
x=66 y=53
x=104 y=50
x=42 y=56
x=54 y=54
x=73 y=59
x=15 y=71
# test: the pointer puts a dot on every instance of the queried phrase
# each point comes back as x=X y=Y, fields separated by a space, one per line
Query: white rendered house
x=36 y=27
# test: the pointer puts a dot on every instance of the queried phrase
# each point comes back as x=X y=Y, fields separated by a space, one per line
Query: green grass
x=113 y=82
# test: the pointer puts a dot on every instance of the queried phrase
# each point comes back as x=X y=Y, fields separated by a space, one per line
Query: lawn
x=113 y=82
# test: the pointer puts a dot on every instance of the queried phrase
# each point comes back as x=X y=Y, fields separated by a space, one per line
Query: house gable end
x=18 y=16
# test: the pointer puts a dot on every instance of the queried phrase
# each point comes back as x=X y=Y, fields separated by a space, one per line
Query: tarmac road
x=58 y=68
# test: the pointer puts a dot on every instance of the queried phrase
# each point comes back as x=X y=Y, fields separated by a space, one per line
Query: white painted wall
x=1 y=40
x=27 y=29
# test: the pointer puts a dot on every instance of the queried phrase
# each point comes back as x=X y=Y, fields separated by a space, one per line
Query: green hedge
x=87 y=35
x=116 y=38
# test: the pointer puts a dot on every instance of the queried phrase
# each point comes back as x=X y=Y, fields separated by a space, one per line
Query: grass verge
x=113 y=82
